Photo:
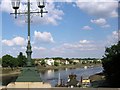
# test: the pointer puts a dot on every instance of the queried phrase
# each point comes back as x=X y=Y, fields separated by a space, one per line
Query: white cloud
x=39 y=48
x=113 y=38
x=53 y=16
x=23 y=48
x=87 y=28
x=97 y=8
x=106 y=26
x=101 y=22
x=20 y=41
x=82 y=45
x=84 y=41
x=82 y=48
x=43 y=37
x=8 y=42
x=6 y=6
x=115 y=35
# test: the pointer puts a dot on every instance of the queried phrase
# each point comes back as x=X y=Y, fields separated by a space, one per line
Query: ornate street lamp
x=28 y=73
x=15 y=5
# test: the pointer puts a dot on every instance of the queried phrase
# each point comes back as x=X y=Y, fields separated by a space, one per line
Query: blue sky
x=70 y=29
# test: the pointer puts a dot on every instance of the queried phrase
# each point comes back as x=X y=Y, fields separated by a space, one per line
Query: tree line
x=10 y=61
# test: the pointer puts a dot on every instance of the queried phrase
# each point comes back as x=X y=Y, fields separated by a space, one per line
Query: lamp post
x=16 y=5
x=29 y=51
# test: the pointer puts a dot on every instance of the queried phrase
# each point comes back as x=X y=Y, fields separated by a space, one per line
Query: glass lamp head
x=16 y=4
x=41 y=3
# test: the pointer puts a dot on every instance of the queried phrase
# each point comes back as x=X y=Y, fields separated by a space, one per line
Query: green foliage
x=67 y=59
x=22 y=60
x=57 y=58
x=111 y=64
x=43 y=62
x=56 y=63
x=0 y=60
x=9 y=61
x=70 y=61
x=74 y=63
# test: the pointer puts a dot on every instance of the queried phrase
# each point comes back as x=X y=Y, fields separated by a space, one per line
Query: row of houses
x=52 y=62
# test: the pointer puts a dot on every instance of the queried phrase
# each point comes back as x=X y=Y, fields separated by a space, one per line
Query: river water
x=51 y=76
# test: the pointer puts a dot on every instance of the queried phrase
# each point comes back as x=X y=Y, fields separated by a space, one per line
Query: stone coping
x=28 y=85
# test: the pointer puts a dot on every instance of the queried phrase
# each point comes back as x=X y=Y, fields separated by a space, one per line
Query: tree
x=57 y=58
x=111 y=64
x=22 y=60
x=9 y=61
x=14 y=62
x=56 y=63
x=0 y=61
x=43 y=63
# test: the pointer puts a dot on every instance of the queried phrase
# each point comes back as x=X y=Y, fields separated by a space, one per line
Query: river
x=51 y=76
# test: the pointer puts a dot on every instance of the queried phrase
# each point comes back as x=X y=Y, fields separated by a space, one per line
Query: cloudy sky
x=70 y=29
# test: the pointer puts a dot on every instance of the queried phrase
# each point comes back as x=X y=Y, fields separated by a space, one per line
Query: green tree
x=57 y=58
x=0 y=60
x=22 y=60
x=74 y=63
x=9 y=61
x=43 y=63
x=111 y=64
x=15 y=62
x=56 y=63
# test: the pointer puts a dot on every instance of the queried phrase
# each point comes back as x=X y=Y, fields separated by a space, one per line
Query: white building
x=66 y=62
x=49 y=62
x=76 y=61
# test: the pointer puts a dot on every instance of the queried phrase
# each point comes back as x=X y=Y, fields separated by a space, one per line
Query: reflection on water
x=51 y=76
